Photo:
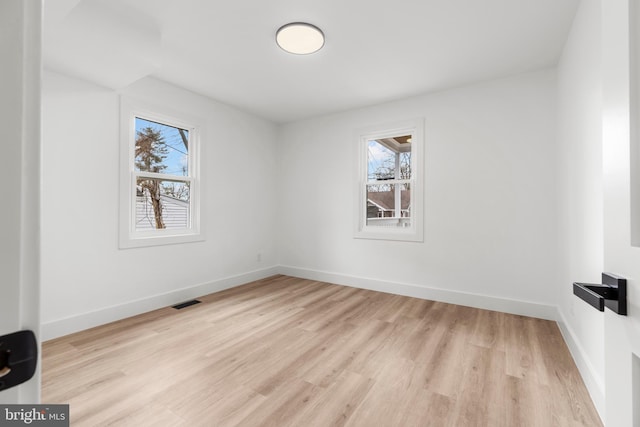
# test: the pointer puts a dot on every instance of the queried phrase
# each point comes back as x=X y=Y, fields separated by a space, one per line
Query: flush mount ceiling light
x=300 y=38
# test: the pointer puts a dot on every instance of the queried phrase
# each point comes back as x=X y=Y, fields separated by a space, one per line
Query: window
x=160 y=187
x=390 y=184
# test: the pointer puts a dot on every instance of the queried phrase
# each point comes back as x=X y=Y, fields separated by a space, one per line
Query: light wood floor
x=291 y=352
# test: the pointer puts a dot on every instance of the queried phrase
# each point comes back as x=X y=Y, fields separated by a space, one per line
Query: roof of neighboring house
x=385 y=199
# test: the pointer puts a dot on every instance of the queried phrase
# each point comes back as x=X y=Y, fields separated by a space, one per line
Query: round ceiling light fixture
x=300 y=38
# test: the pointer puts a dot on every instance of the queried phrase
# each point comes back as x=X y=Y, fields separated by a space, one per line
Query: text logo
x=34 y=415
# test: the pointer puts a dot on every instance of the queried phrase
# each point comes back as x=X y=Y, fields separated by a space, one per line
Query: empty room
x=295 y=213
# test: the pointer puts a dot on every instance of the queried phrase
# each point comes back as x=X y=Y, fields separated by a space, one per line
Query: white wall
x=490 y=198
x=580 y=212
x=87 y=280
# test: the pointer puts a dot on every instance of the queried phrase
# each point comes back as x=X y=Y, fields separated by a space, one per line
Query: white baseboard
x=504 y=305
x=593 y=382
x=76 y=323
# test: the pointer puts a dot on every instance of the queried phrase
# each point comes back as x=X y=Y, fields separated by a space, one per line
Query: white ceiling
x=375 y=50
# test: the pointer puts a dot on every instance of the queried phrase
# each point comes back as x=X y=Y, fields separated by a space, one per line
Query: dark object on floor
x=186 y=304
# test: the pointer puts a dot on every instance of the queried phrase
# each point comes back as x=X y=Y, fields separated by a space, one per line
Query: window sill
x=390 y=233
x=142 y=240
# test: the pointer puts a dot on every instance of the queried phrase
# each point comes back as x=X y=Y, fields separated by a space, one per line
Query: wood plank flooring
x=290 y=352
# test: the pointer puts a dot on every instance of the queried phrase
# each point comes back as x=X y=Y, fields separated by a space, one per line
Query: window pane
x=382 y=203
x=162 y=204
x=381 y=162
x=405 y=165
x=385 y=154
x=161 y=148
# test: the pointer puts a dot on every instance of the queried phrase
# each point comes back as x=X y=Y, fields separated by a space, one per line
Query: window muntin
x=390 y=199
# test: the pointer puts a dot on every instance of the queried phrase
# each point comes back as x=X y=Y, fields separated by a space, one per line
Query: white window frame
x=414 y=232
x=131 y=109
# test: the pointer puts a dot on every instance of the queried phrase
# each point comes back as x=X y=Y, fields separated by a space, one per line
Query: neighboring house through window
x=160 y=185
